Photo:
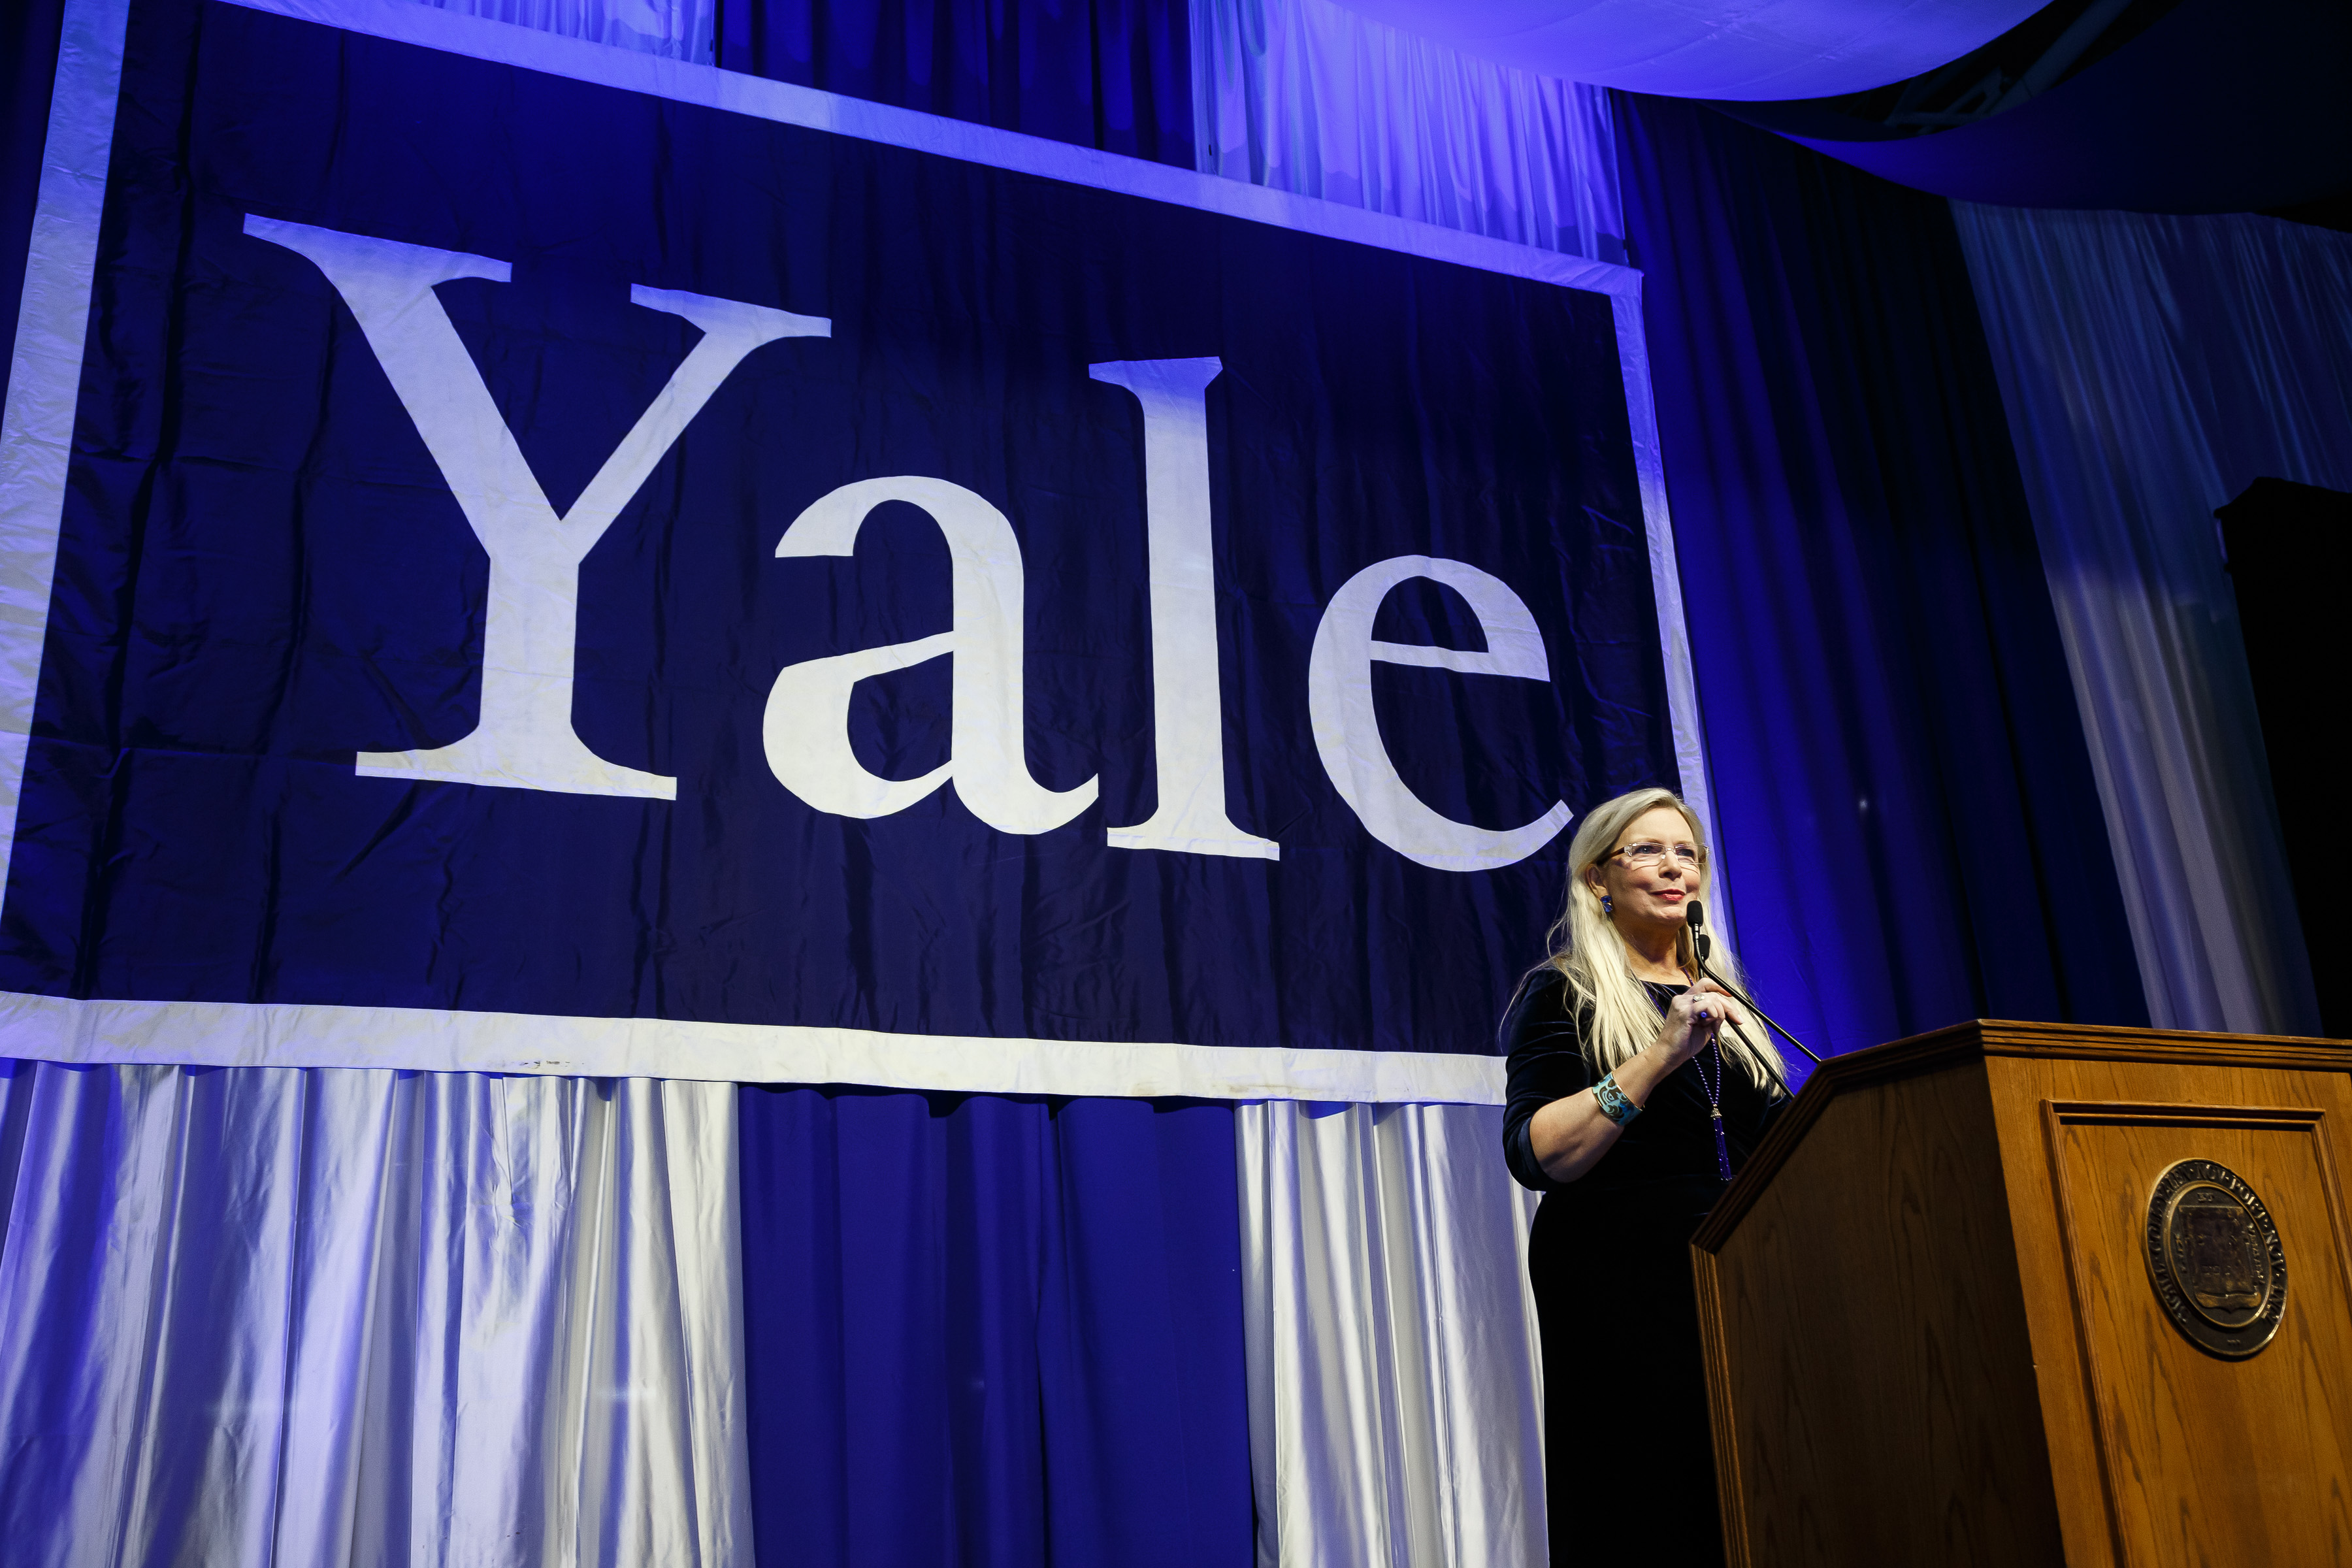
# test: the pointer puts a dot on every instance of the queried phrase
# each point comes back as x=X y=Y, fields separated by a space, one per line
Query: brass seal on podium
x=2215 y=1259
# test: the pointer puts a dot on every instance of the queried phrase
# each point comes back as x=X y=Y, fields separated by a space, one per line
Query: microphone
x=1694 y=914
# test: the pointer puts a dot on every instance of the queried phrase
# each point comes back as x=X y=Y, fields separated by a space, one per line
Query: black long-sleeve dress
x=1629 y=1463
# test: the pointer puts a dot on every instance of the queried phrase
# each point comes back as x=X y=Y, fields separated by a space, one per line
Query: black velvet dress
x=1629 y=1463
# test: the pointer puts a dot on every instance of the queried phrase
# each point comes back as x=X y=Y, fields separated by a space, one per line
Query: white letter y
x=524 y=739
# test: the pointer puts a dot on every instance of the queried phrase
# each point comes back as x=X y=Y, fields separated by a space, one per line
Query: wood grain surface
x=1932 y=1336
x=2164 y=1454
x=1872 y=1373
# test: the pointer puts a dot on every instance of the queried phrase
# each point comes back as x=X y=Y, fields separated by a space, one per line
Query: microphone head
x=1694 y=917
x=1694 y=914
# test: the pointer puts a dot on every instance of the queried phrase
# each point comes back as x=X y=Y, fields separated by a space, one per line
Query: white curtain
x=2152 y=368
x=1309 y=97
x=341 y=1317
x=1396 y=1408
x=677 y=29
x=1395 y=1382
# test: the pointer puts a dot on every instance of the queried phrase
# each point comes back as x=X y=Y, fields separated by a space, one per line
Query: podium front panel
x=2189 y=1454
x=2036 y=1294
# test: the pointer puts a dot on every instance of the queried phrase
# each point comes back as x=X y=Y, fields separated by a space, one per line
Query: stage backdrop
x=553 y=560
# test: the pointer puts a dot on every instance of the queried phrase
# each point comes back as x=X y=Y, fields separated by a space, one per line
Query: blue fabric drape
x=1312 y=97
x=1906 y=806
x=1099 y=73
x=28 y=59
x=676 y=29
x=2113 y=136
x=2153 y=367
x=992 y=1332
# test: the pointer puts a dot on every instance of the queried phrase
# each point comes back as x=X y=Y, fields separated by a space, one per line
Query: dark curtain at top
x=1906 y=806
x=28 y=59
x=985 y=1332
x=1113 y=74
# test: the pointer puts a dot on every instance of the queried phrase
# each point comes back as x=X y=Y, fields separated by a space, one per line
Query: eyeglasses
x=1649 y=853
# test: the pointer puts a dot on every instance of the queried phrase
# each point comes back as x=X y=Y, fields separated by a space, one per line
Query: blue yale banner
x=561 y=560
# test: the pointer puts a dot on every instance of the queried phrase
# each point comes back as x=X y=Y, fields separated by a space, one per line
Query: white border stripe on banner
x=1666 y=589
x=285 y=1033
x=44 y=369
x=35 y=442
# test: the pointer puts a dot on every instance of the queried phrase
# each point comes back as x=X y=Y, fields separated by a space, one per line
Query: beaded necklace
x=1714 y=1104
x=1714 y=1095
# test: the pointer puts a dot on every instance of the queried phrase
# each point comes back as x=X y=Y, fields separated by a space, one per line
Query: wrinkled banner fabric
x=570 y=561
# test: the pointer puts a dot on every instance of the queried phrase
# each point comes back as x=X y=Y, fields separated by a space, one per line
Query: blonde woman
x=1631 y=1103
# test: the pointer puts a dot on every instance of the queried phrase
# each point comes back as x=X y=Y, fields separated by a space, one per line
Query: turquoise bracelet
x=1613 y=1101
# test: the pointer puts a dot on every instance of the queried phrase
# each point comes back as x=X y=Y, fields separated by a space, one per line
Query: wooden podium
x=1933 y=1320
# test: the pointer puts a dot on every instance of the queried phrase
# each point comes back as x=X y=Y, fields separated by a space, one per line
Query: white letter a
x=806 y=730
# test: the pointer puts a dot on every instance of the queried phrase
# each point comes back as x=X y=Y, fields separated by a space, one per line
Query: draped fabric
x=2153 y=367
x=993 y=1332
x=1907 y=816
x=340 y=1317
x=28 y=58
x=1395 y=1380
x=676 y=29
x=1113 y=74
x=1714 y=48
x=1311 y=96
x=2268 y=130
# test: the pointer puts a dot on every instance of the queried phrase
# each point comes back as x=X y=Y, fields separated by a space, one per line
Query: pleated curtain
x=1311 y=96
x=1396 y=1405
x=992 y=1332
x=674 y=29
x=1109 y=74
x=1906 y=813
x=2153 y=367
x=346 y=1317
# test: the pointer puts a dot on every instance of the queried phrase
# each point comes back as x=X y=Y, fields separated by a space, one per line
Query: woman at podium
x=1632 y=1102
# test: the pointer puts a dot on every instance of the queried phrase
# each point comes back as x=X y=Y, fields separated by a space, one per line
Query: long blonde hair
x=1585 y=947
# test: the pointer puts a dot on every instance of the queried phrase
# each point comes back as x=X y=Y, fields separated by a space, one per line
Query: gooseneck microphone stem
x=1696 y=915
x=1764 y=1061
x=1699 y=942
x=1750 y=1003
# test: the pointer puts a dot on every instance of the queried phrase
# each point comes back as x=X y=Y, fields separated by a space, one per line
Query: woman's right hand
x=1693 y=1019
x=1570 y=1134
